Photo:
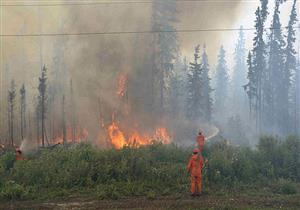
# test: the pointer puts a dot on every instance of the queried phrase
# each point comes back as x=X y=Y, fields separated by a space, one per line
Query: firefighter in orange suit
x=201 y=141
x=19 y=155
x=194 y=167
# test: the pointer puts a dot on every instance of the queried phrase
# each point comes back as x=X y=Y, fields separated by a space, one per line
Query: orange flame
x=117 y=137
x=135 y=139
x=162 y=135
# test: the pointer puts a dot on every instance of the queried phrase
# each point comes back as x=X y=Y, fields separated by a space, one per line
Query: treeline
x=262 y=95
x=273 y=73
x=154 y=170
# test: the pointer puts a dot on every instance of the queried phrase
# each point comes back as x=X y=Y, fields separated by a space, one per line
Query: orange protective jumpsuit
x=195 y=166
x=201 y=141
x=19 y=156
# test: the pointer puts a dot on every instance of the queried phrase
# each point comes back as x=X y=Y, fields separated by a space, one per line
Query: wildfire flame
x=117 y=137
x=162 y=135
x=135 y=139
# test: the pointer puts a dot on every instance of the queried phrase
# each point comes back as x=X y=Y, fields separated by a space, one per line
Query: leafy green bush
x=285 y=187
x=7 y=160
x=151 y=171
x=12 y=191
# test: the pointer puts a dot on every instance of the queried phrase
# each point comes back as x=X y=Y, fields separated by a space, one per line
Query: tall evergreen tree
x=251 y=86
x=296 y=100
x=206 y=90
x=42 y=101
x=222 y=83
x=264 y=10
x=239 y=78
x=278 y=79
x=291 y=68
x=23 y=111
x=194 y=87
x=11 y=109
x=259 y=65
x=166 y=46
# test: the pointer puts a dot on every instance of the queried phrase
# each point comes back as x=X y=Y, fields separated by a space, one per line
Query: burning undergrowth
x=118 y=125
x=134 y=138
x=121 y=134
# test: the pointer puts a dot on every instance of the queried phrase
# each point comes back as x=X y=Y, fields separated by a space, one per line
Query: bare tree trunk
x=43 y=120
x=12 y=124
x=64 y=121
x=73 y=114
x=38 y=128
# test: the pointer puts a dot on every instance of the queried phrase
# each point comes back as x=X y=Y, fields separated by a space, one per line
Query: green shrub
x=108 y=192
x=155 y=169
x=286 y=187
x=151 y=195
x=12 y=191
x=7 y=160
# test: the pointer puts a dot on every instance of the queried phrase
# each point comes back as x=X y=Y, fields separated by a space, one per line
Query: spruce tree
x=222 y=84
x=251 y=86
x=259 y=65
x=291 y=69
x=166 y=47
x=206 y=90
x=278 y=79
x=239 y=78
x=194 y=87
x=296 y=100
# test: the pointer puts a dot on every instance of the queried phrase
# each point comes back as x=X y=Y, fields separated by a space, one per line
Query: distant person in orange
x=194 y=167
x=19 y=155
x=201 y=141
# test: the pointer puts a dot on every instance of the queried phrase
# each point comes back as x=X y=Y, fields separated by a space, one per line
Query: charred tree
x=73 y=112
x=42 y=101
x=64 y=121
x=37 y=116
x=23 y=111
x=11 y=107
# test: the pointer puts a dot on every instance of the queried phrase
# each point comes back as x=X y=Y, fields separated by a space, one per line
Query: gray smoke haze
x=95 y=62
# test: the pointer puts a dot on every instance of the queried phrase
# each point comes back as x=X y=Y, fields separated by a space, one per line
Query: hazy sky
x=213 y=14
x=25 y=54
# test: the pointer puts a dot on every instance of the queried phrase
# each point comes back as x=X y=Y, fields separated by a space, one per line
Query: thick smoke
x=94 y=62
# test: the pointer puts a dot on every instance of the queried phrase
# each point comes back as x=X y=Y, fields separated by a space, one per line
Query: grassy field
x=84 y=177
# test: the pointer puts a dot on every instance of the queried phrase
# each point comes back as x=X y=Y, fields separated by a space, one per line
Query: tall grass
x=150 y=171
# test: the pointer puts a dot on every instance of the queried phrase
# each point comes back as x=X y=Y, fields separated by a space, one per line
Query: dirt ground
x=203 y=202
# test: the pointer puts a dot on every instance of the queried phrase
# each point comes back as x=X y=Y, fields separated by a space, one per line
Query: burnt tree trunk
x=64 y=121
